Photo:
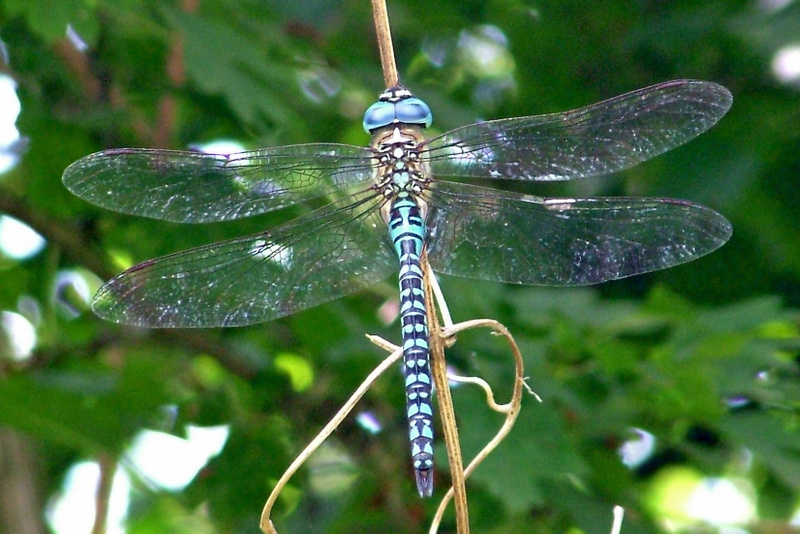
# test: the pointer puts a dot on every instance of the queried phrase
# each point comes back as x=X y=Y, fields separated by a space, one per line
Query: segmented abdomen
x=407 y=229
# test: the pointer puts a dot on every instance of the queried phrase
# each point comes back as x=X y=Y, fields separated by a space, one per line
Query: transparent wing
x=481 y=233
x=197 y=188
x=323 y=255
x=594 y=140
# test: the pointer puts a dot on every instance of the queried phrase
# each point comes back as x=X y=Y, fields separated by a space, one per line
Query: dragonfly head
x=397 y=106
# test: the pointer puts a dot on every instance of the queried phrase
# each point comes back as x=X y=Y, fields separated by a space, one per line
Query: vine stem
x=438 y=342
x=384 y=34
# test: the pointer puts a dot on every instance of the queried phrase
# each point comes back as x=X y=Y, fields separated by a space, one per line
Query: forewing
x=195 y=187
x=481 y=233
x=599 y=139
x=323 y=255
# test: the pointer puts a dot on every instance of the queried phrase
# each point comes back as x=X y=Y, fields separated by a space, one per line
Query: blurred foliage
x=704 y=356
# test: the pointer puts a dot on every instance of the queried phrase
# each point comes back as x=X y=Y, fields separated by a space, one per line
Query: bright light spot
x=389 y=311
x=17 y=239
x=668 y=493
x=635 y=451
x=331 y=470
x=220 y=146
x=618 y=515
x=369 y=422
x=795 y=520
x=167 y=461
x=76 y=40
x=738 y=402
x=72 y=293
x=435 y=51
x=299 y=370
x=459 y=155
x=485 y=50
x=721 y=502
x=319 y=84
x=71 y=511
x=786 y=64
x=558 y=204
x=771 y=6
x=275 y=253
x=10 y=141
x=172 y=462
x=18 y=336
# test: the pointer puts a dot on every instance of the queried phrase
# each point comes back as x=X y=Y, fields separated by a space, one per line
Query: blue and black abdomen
x=407 y=230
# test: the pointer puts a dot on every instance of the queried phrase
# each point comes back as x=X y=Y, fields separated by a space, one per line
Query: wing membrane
x=482 y=233
x=194 y=187
x=599 y=139
x=323 y=255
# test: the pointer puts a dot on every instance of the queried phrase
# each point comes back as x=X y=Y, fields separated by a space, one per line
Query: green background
x=666 y=352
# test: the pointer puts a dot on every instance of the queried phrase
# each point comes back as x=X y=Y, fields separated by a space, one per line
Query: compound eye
x=378 y=115
x=414 y=111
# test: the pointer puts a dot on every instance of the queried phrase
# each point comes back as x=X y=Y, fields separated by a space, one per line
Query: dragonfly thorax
x=400 y=170
x=399 y=164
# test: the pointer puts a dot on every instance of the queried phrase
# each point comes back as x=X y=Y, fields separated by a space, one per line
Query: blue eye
x=413 y=111
x=406 y=111
x=378 y=115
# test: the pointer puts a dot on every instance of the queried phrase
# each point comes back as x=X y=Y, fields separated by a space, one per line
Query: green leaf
x=92 y=409
x=50 y=18
x=537 y=450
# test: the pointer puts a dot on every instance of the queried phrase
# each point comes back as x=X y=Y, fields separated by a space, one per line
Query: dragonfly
x=405 y=194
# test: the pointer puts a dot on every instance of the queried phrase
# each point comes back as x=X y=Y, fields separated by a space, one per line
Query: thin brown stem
x=511 y=409
x=396 y=353
x=103 y=496
x=381 y=17
x=176 y=74
x=20 y=509
x=438 y=341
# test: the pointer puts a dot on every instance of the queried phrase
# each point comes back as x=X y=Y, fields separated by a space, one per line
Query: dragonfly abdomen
x=407 y=229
